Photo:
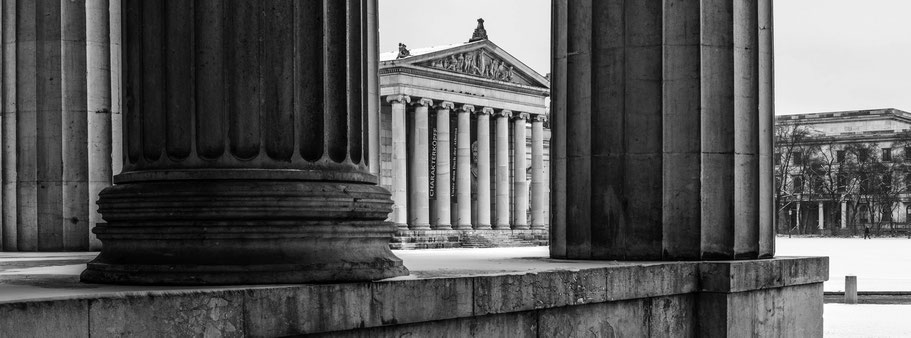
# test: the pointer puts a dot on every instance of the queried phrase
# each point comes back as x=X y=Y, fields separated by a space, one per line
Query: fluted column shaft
x=399 y=214
x=98 y=59
x=663 y=115
x=483 y=154
x=46 y=200
x=822 y=216
x=538 y=183
x=463 y=169
x=246 y=148
x=520 y=181
x=502 y=220
x=443 y=203
x=419 y=171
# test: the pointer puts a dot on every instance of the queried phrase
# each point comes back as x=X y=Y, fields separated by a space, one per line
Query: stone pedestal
x=663 y=130
x=245 y=152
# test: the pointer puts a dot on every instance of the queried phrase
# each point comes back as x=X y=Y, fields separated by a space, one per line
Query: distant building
x=451 y=120
x=845 y=170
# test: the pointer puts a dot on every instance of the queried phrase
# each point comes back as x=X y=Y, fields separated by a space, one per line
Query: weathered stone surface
x=307 y=309
x=58 y=318
x=522 y=324
x=185 y=314
x=736 y=276
x=792 y=311
x=396 y=302
x=615 y=319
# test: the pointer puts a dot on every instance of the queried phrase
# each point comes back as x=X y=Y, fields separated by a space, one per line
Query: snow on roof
x=390 y=56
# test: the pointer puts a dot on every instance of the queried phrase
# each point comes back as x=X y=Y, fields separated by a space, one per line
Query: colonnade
x=446 y=199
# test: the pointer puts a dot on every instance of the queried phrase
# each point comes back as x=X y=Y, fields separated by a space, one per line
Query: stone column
x=501 y=221
x=520 y=181
x=663 y=130
x=463 y=169
x=45 y=149
x=373 y=90
x=442 y=204
x=822 y=216
x=483 y=169
x=245 y=155
x=538 y=183
x=399 y=214
x=844 y=214
x=98 y=58
x=419 y=172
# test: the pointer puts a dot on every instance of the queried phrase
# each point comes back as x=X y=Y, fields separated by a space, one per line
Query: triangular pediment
x=481 y=59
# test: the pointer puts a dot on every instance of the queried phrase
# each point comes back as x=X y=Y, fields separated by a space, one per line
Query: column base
x=419 y=227
x=502 y=227
x=539 y=226
x=483 y=227
x=521 y=227
x=462 y=227
x=243 y=232
x=441 y=227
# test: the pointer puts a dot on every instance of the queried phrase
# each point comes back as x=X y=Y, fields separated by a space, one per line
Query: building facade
x=843 y=171
x=463 y=145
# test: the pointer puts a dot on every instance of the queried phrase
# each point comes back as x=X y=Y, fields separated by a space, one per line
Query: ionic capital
x=520 y=116
x=467 y=108
x=400 y=98
x=504 y=113
x=447 y=105
x=424 y=102
x=485 y=111
x=539 y=118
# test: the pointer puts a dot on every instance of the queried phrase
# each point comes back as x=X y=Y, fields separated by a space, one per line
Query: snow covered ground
x=880 y=264
x=840 y=320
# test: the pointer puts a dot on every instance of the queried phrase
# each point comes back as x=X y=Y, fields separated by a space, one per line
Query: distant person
x=866 y=232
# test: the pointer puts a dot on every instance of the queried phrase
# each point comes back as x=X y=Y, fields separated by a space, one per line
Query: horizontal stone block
x=169 y=314
x=55 y=318
x=737 y=276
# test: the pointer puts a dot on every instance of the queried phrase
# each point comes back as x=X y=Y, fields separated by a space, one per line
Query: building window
x=863 y=155
x=777 y=158
x=840 y=156
x=907 y=154
x=798 y=158
x=887 y=154
x=842 y=183
x=798 y=184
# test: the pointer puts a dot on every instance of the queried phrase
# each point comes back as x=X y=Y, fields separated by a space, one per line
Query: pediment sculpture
x=477 y=63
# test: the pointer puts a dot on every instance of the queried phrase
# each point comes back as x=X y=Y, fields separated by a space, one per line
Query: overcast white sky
x=829 y=54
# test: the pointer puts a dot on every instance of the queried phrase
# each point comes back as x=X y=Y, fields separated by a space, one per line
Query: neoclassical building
x=463 y=145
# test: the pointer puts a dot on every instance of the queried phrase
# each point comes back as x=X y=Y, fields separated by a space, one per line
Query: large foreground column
x=245 y=148
x=663 y=130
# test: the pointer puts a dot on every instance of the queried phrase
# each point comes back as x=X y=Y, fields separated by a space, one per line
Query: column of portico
x=822 y=216
x=463 y=169
x=501 y=220
x=399 y=191
x=538 y=184
x=520 y=181
x=484 y=169
x=419 y=172
x=443 y=212
x=237 y=172
x=844 y=214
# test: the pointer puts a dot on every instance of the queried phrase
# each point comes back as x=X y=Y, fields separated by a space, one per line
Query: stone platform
x=462 y=292
x=451 y=239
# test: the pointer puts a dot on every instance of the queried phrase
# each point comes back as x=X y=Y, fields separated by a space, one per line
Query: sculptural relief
x=478 y=63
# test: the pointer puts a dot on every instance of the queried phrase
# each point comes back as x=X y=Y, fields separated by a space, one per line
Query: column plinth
x=501 y=219
x=519 y=176
x=244 y=166
x=483 y=169
x=463 y=169
x=419 y=172
x=538 y=183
